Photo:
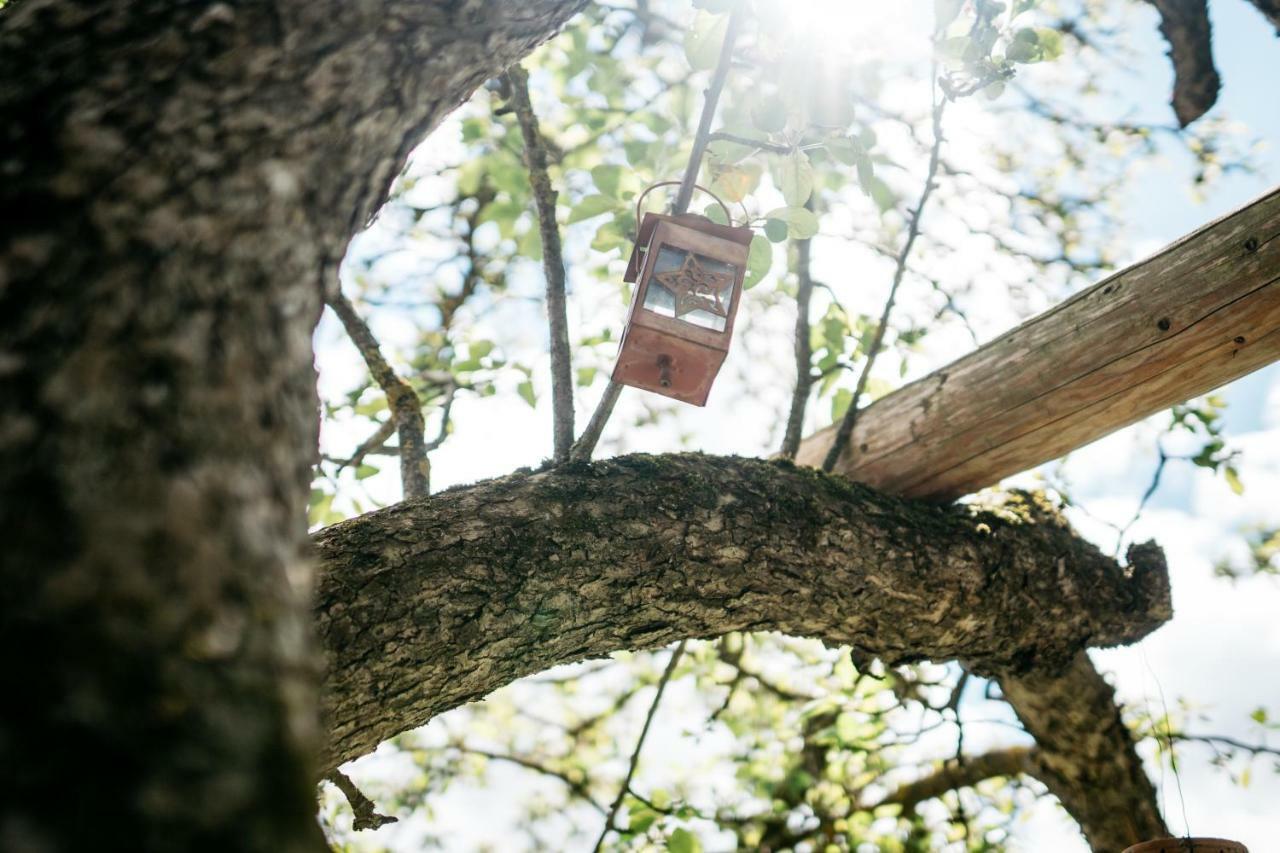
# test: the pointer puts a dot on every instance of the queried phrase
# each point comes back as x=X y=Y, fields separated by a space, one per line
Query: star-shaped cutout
x=696 y=287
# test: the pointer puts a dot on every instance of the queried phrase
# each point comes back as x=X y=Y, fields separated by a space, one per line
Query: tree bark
x=183 y=179
x=1185 y=26
x=1085 y=754
x=433 y=603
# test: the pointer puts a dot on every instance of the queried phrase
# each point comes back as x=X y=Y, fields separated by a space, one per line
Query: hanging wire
x=1173 y=759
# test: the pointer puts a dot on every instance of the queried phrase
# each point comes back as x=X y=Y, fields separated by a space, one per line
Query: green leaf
x=606 y=178
x=866 y=173
x=592 y=205
x=684 y=841
x=775 y=230
x=846 y=150
x=801 y=223
x=1050 y=43
x=525 y=389
x=881 y=194
x=794 y=175
x=530 y=245
x=1233 y=479
x=715 y=213
x=759 y=261
x=586 y=375
x=702 y=42
x=840 y=403
x=364 y=471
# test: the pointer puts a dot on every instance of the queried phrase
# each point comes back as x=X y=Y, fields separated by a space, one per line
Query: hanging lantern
x=688 y=272
x=1188 y=845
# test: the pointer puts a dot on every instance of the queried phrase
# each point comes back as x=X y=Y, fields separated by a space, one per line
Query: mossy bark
x=433 y=603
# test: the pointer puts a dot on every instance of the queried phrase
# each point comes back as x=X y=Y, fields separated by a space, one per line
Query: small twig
x=758 y=144
x=1146 y=496
x=366 y=813
x=845 y=431
x=372 y=444
x=577 y=786
x=402 y=400
x=544 y=202
x=1229 y=742
x=635 y=754
x=444 y=418
x=803 y=352
x=586 y=443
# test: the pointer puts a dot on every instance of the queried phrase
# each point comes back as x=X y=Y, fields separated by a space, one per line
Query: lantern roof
x=698 y=222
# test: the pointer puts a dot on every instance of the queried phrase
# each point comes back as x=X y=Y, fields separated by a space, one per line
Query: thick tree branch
x=544 y=202
x=1185 y=25
x=436 y=602
x=1084 y=753
x=402 y=400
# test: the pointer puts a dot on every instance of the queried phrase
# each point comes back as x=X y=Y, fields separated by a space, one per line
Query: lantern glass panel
x=691 y=288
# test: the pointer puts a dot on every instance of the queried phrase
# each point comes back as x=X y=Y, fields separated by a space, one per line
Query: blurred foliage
x=766 y=742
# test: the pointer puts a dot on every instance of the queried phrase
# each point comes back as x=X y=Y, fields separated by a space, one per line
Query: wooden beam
x=1194 y=316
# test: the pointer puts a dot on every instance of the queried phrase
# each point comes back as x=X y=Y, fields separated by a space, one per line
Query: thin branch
x=952 y=775
x=366 y=813
x=635 y=755
x=544 y=201
x=577 y=786
x=803 y=352
x=373 y=444
x=701 y=138
x=586 y=443
x=845 y=431
x=1229 y=742
x=758 y=144
x=402 y=400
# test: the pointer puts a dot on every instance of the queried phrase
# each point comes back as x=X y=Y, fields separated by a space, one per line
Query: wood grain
x=1196 y=315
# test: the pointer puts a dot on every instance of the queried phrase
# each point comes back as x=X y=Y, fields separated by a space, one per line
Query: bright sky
x=1222 y=649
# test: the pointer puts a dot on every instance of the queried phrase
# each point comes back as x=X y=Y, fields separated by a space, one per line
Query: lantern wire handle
x=639 y=201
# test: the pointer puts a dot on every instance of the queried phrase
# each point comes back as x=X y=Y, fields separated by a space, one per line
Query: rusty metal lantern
x=1188 y=845
x=688 y=272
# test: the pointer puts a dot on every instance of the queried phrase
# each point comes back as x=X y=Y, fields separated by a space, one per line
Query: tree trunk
x=433 y=603
x=182 y=181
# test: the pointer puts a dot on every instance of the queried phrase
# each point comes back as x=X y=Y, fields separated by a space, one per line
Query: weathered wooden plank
x=1194 y=316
